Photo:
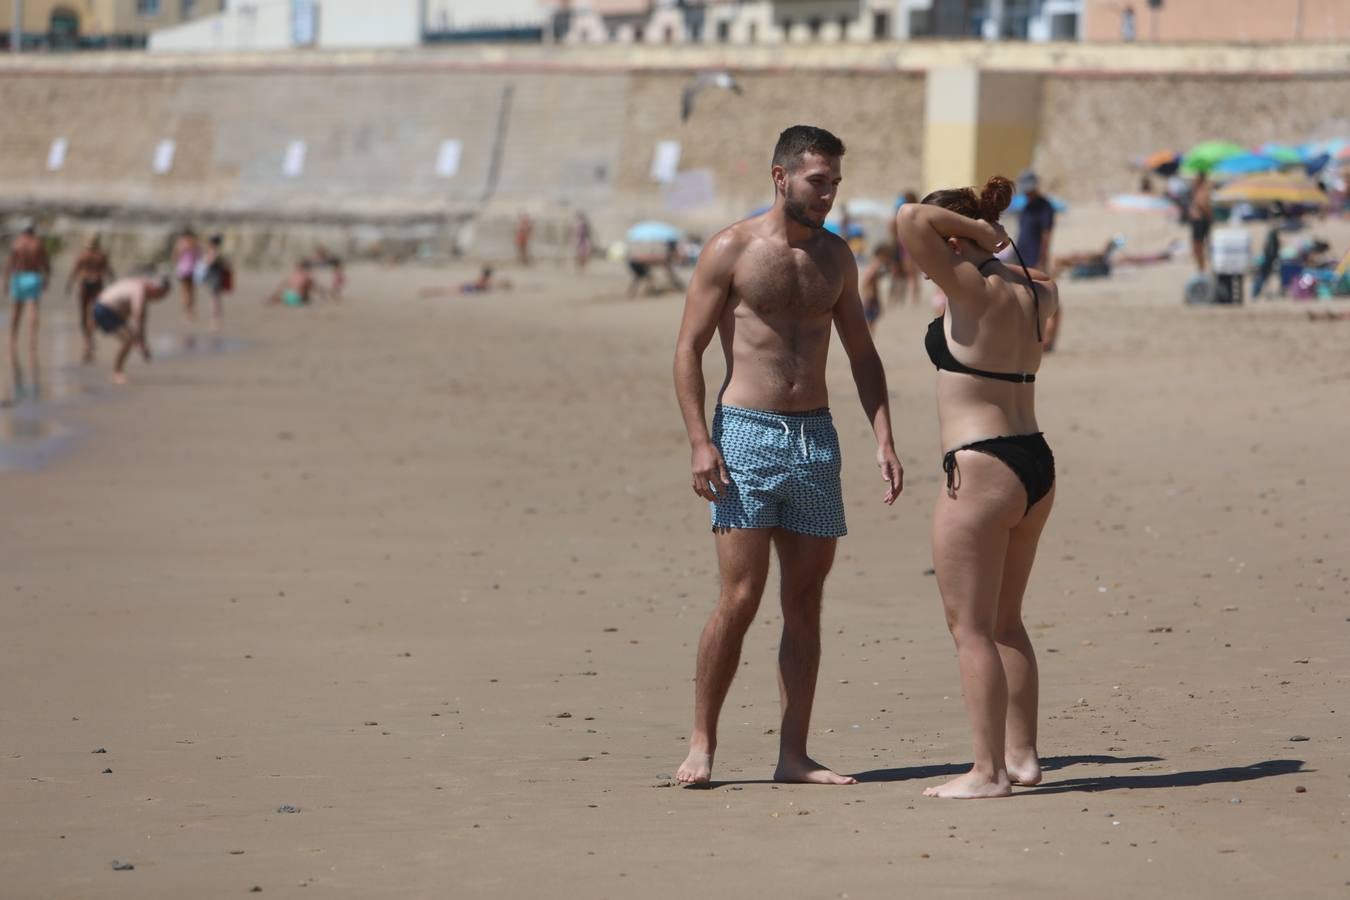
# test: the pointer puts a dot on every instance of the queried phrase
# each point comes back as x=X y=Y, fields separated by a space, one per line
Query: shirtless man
x=27 y=271
x=122 y=310
x=91 y=273
x=772 y=286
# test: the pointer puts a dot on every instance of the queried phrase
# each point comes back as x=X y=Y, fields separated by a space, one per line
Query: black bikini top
x=935 y=341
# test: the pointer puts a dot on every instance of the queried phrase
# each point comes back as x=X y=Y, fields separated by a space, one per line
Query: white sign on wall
x=665 y=161
x=447 y=160
x=56 y=156
x=294 y=163
x=689 y=190
x=164 y=151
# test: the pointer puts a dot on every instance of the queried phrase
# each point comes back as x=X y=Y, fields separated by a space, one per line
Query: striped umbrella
x=1273 y=187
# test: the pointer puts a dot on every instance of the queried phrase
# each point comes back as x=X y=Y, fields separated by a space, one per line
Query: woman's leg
x=970 y=544
x=1014 y=647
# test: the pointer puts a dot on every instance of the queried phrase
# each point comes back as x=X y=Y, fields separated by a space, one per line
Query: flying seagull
x=701 y=81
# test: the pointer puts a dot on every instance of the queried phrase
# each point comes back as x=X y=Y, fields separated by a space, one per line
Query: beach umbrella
x=653 y=233
x=1164 y=162
x=1205 y=156
x=877 y=209
x=1246 y=164
x=1282 y=153
x=1289 y=188
x=1140 y=203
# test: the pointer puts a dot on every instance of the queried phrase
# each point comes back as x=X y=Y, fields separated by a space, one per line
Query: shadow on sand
x=1231 y=774
x=1049 y=764
x=1227 y=775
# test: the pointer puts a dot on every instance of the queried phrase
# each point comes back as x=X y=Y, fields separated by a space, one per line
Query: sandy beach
x=429 y=572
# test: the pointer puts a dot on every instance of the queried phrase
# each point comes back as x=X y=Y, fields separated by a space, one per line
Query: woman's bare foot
x=805 y=770
x=972 y=786
x=1023 y=768
x=696 y=768
x=119 y=378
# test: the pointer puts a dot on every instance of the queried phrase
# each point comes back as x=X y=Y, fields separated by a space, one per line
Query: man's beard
x=797 y=211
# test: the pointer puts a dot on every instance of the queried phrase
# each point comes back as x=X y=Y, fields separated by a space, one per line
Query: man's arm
x=868 y=373
x=704 y=304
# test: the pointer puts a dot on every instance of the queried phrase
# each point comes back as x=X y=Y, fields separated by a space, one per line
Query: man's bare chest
x=787 y=281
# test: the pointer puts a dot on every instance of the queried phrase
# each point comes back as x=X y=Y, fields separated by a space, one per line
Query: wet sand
x=429 y=572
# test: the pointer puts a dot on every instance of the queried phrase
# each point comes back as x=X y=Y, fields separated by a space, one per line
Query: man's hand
x=891 y=472
x=709 y=472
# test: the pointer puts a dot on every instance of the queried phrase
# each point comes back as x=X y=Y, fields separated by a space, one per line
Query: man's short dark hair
x=799 y=140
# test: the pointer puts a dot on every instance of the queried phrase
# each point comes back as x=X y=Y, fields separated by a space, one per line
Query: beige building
x=1228 y=21
x=67 y=24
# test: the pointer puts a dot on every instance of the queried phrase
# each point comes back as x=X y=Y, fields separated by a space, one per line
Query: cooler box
x=1230 y=251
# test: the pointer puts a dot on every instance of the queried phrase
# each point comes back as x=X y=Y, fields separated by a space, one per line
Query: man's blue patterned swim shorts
x=784 y=471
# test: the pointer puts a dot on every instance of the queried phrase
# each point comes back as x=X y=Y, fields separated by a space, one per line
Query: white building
x=807 y=21
x=488 y=20
x=286 y=24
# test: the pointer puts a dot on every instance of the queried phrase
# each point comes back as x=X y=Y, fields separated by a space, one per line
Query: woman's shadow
x=1228 y=774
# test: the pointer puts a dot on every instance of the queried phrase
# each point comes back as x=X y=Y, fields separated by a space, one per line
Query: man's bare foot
x=1023 y=768
x=804 y=770
x=972 y=786
x=696 y=768
x=119 y=378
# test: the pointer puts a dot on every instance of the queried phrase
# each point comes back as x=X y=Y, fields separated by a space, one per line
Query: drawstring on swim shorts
x=801 y=436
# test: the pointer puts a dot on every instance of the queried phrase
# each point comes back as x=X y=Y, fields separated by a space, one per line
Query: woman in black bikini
x=999 y=470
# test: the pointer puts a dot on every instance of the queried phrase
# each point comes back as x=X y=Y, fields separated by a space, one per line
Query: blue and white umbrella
x=1246 y=164
x=653 y=233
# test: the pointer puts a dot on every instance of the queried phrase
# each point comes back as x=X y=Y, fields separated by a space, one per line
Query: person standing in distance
x=772 y=287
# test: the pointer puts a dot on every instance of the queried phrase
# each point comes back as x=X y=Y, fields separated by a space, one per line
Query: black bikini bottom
x=1028 y=455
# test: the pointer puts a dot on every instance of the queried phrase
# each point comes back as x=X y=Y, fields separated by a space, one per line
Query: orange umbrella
x=1159 y=159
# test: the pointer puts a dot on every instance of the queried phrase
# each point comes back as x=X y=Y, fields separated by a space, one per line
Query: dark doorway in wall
x=63 y=32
